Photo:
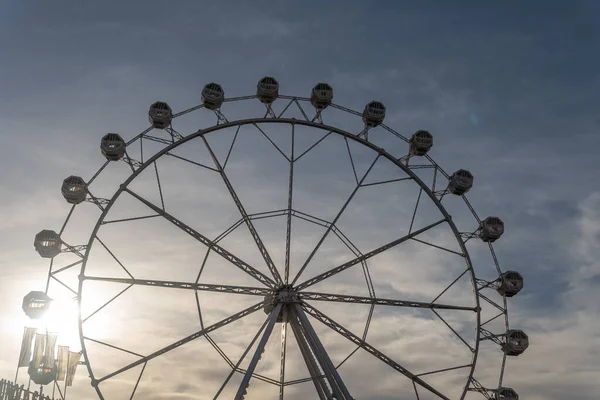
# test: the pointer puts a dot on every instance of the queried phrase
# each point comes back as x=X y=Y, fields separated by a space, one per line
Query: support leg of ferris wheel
x=317 y=376
x=312 y=340
x=258 y=353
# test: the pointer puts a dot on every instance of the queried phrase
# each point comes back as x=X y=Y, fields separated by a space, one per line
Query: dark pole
x=19 y=362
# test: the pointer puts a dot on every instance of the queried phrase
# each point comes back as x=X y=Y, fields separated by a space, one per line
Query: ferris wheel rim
x=311 y=124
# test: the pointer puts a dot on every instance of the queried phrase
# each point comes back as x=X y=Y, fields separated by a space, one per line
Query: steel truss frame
x=292 y=302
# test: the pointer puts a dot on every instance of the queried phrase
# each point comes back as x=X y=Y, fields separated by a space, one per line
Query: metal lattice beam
x=364 y=257
x=185 y=340
x=256 y=274
x=185 y=285
x=378 y=301
x=370 y=349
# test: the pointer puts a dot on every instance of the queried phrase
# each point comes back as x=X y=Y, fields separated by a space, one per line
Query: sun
x=62 y=319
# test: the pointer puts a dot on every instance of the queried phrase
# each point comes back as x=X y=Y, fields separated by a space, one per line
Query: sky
x=508 y=91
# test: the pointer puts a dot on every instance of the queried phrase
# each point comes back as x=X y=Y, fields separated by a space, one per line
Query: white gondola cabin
x=503 y=393
x=160 y=115
x=460 y=182
x=36 y=304
x=420 y=143
x=321 y=96
x=74 y=189
x=516 y=342
x=42 y=374
x=47 y=243
x=511 y=283
x=267 y=90
x=112 y=146
x=373 y=114
x=213 y=96
x=491 y=229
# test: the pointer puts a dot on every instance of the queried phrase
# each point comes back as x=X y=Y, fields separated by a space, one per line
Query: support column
x=258 y=353
x=335 y=381
x=312 y=365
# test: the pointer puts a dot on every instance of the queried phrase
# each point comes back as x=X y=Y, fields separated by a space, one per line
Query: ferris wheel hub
x=284 y=295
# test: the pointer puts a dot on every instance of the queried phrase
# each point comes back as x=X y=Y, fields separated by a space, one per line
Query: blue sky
x=509 y=91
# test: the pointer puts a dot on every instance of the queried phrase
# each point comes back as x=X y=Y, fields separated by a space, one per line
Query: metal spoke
x=313 y=146
x=301 y=109
x=357 y=260
x=156 y=139
x=202 y=266
x=162 y=200
x=105 y=304
x=272 y=142
x=438 y=247
x=286 y=107
x=231 y=147
x=259 y=276
x=138 y=381
x=191 y=162
x=351 y=160
x=188 y=339
x=238 y=203
x=114 y=257
x=93 y=178
x=493 y=319
x=369 y=348
x=62 y=229
x=67 y=267
x=337 y=217
x=378 y=301
x=258 y=353
x=128 y=219
x=113 y=346
x=445 y=370
x=185 y=285
x=412 y=221
x=386 y=181
x=288 y=231
x=450 y=285
x=454 y=331
x=65 y=285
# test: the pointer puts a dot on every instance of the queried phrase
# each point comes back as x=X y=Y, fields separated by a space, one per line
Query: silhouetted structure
x=12 y=391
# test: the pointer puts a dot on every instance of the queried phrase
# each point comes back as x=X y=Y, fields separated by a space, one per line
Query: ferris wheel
x=309 y=283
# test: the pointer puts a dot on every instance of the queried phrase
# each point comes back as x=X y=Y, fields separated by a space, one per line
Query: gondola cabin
x=511 y=283
x=460 y=182
x=420 y=143
x=491 y=229
x=373 y=114
x=213 y=96
x=47 y=243
x=160 y=115
x=36 y=304
x=42 y=374
x=267 y=90
x=516 y=342
x=112 y=146
x=74 y=189
x=321 y=96
x=503 y=393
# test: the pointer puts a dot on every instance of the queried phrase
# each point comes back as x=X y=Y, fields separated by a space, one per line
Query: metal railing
x=12 y=391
